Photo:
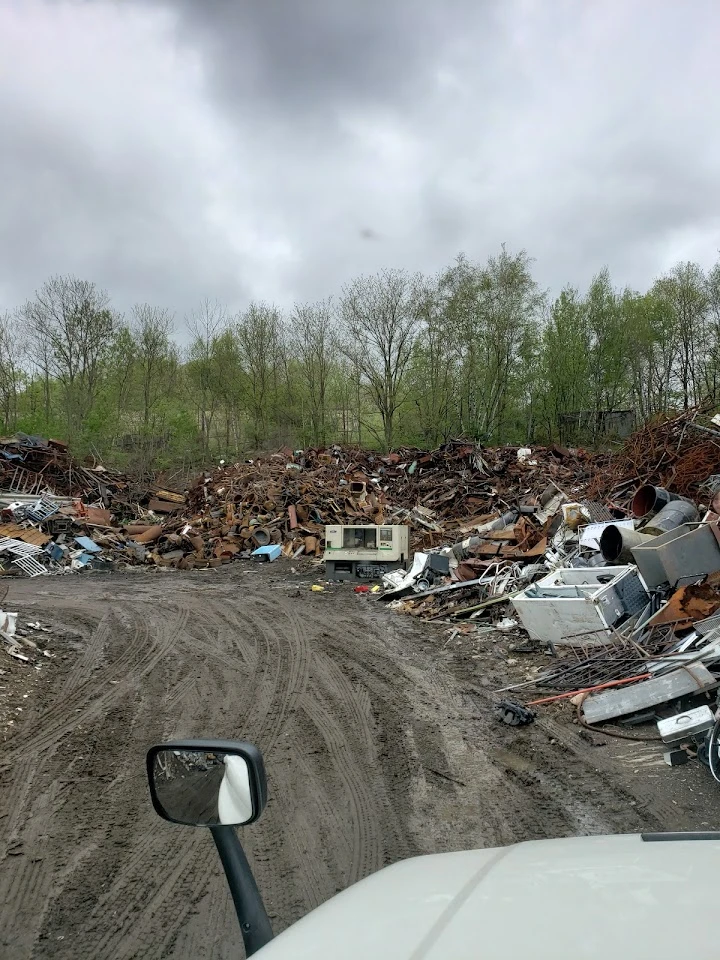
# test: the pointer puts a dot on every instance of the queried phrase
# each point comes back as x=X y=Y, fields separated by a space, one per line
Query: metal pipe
x=650 y=499
x=616 y=543
x=261 y=536
x=671 y=516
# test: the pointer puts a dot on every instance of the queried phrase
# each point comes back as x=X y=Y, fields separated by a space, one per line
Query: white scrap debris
x=15 y=652
x=550 y=508
x=574 y=514
x=394 y=579
x=391 y=581
x=506 y=625
x=8 y=625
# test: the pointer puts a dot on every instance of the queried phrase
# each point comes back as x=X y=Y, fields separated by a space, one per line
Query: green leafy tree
x=381 y=321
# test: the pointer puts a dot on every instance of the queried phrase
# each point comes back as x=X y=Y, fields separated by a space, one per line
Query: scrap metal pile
x=58 y=515
x=488 y=505
x=282 y=500
x=680 y=452
x=288 y=498
x=621 y=592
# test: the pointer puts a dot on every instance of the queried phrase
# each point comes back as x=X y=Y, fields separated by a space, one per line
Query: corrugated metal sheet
x=36 y=537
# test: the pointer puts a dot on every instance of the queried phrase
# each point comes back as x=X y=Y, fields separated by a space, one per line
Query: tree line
x=479 y=350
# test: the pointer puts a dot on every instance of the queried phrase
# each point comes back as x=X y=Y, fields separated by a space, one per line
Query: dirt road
x=379 y=743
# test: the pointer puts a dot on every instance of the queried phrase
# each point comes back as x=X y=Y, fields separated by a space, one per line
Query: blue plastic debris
x=55 y=551
x=87 y=544
x=269 y=553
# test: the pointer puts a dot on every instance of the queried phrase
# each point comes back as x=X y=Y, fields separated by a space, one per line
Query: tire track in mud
x=343 y=721
x=62 y=716
x=281 y=670
x=186 y=860
x=24 y=881
x=86 y=698
x=366 y=854
x=90 y=659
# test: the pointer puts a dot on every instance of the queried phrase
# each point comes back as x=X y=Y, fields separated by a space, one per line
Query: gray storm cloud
x=175 y=151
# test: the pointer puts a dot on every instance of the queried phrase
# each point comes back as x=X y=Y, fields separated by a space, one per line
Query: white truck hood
x=584 y=898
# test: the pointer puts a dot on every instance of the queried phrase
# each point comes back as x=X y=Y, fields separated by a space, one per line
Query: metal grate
x=712 y=484
x=599 y=513
x=31 y=567
x=42 y=510
x=18 y=547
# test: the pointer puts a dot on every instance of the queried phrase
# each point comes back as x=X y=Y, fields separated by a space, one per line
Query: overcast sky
x=239 y=149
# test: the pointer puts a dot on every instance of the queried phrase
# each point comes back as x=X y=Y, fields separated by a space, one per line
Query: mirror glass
x=203 y=789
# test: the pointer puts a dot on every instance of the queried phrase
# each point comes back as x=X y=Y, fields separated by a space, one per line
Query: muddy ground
x=378 y=734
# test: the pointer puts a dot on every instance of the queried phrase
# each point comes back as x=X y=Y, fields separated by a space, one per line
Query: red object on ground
x=598 y=686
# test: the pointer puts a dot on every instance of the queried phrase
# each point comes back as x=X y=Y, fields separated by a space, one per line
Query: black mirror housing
x=199 y=789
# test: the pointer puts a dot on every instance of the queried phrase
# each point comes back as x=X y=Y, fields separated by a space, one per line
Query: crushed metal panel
x=648 y=693
x=87 y=544
x=98 y=517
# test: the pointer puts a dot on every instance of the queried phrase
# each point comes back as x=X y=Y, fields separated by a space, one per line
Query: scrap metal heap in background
x=487 y=504
x=285 y=499
x=57 y=514
x=611 y=562
x=680 y=452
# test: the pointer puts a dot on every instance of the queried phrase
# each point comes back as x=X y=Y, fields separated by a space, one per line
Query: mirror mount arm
x=251 y=913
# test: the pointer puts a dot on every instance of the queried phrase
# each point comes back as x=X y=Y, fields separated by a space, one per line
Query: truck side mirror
x=207 y=783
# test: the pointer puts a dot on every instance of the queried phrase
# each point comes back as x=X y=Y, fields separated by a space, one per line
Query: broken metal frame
x=26 y=481
x=42 y=510
x=31 y=567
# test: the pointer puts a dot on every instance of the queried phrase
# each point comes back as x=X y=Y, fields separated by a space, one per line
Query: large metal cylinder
x=650 y=499
x=671 y=516
x=261 y=536
x=616 y=543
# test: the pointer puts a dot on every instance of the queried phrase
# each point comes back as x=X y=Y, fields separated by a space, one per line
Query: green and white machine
x=365 y=552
